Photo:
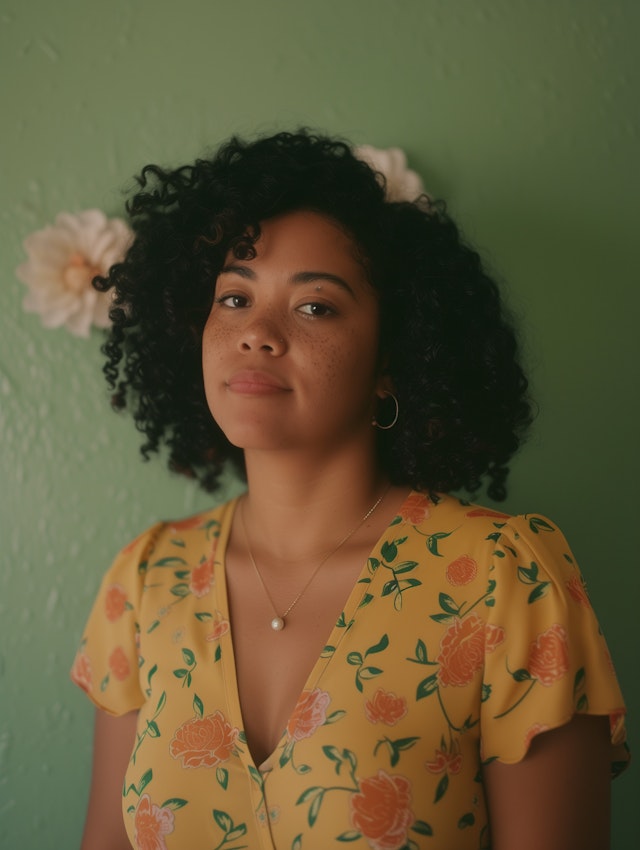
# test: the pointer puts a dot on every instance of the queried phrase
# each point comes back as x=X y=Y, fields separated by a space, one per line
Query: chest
x=273 y=667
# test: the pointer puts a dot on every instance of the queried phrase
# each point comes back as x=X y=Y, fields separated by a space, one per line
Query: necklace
x=278 y=621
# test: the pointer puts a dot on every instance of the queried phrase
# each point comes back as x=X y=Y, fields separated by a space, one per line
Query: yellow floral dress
x=467 y=633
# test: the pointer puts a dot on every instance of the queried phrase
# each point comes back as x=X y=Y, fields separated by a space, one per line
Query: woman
x=345 y=654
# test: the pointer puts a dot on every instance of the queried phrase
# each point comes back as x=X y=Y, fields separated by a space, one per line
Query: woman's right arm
x=113 y=743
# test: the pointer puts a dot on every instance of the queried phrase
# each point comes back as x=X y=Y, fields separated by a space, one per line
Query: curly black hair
x=446 y=339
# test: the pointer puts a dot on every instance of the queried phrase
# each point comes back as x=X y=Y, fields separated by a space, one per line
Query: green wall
x=523 y=114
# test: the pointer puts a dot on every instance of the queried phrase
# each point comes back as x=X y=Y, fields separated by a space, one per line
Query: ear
x=384 y=385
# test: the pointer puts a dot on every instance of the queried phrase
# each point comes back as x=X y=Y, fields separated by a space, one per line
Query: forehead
x=303 y=240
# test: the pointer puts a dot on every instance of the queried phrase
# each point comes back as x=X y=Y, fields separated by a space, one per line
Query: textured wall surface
x=523 y=115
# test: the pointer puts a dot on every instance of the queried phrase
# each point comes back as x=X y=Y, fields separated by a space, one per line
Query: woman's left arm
x=558 y=796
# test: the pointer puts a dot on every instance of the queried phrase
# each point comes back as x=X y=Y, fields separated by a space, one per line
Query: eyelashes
x=309 y=309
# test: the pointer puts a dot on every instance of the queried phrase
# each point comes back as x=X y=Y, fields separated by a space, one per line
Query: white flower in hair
x=63 y=259
x=402 y=184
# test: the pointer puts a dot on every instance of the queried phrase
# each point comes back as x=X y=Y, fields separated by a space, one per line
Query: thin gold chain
x=317 y=569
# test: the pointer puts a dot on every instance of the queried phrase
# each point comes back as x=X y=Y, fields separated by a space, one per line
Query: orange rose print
x=445 y=761
x=115 y=602
x=220 y=627
x=381 y=810
x=549 y=656
x=201 y=579
x=152 y=823
x=415 y=509
x=616 y=725
x=486 y=512
x=309 y=714
x=461 y=571
x=385 y=707
x=81 y=672
x=186 y=524
x=532 y=731
x=204 y=741
x=577 y=590
x=119 y=664
x=463 y=647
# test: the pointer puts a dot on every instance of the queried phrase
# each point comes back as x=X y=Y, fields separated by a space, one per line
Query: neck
x=308 y=496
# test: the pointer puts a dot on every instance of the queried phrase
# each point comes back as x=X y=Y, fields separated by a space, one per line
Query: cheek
x=348 y=365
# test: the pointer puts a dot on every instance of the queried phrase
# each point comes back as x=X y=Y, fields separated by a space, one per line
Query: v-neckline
x=335 y=637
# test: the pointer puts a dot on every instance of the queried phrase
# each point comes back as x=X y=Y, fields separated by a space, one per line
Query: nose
x=262 y=334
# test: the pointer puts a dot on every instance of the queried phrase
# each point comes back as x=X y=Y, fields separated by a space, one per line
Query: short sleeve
x=107 y=661
x=546 y=658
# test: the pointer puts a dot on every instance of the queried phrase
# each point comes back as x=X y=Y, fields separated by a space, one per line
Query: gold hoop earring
x=388 y=427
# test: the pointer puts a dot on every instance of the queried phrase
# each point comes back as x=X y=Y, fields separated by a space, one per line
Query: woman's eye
x=316 y=309
x=232 y=301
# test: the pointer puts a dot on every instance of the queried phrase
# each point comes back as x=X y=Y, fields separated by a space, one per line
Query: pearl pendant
x=277 y=624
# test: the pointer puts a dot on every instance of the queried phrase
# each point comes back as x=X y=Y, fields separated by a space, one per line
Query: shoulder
x=165 y=542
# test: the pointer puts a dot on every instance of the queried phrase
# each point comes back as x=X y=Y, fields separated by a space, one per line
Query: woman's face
x=290 y=348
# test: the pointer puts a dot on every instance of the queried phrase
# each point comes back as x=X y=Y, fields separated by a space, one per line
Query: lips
x=251 y=382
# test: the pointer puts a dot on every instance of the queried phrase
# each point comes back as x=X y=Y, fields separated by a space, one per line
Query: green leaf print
x=169 y=562
x=422 y=828
x=369 y=672
x=442 y=788
x=181 y=589
x=398 y=586
x=150 y=675
x=405 y=567
x=232 y=832
x=389 y=551
x=466 y=820
x=382 y=644
x=314 y=796
x=296 y=844
x=222 y=775
x=427 y=686
x=538 y=592
x=198 y=706
x=529 y=575
x=434 y=539
x=536 y=524
x=174 y=803
x=183 y=673
x=421 y=654
x=395 y=747
x=521 y=675
x=203 y=616
x=334 y=716
x=145 y=779
x=351 y=835
x=441 y=618
x=355 y=659
x=152 y=729
x=447 y=603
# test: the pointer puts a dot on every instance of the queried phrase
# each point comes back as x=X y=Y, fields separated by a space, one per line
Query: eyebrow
x=298 y=277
